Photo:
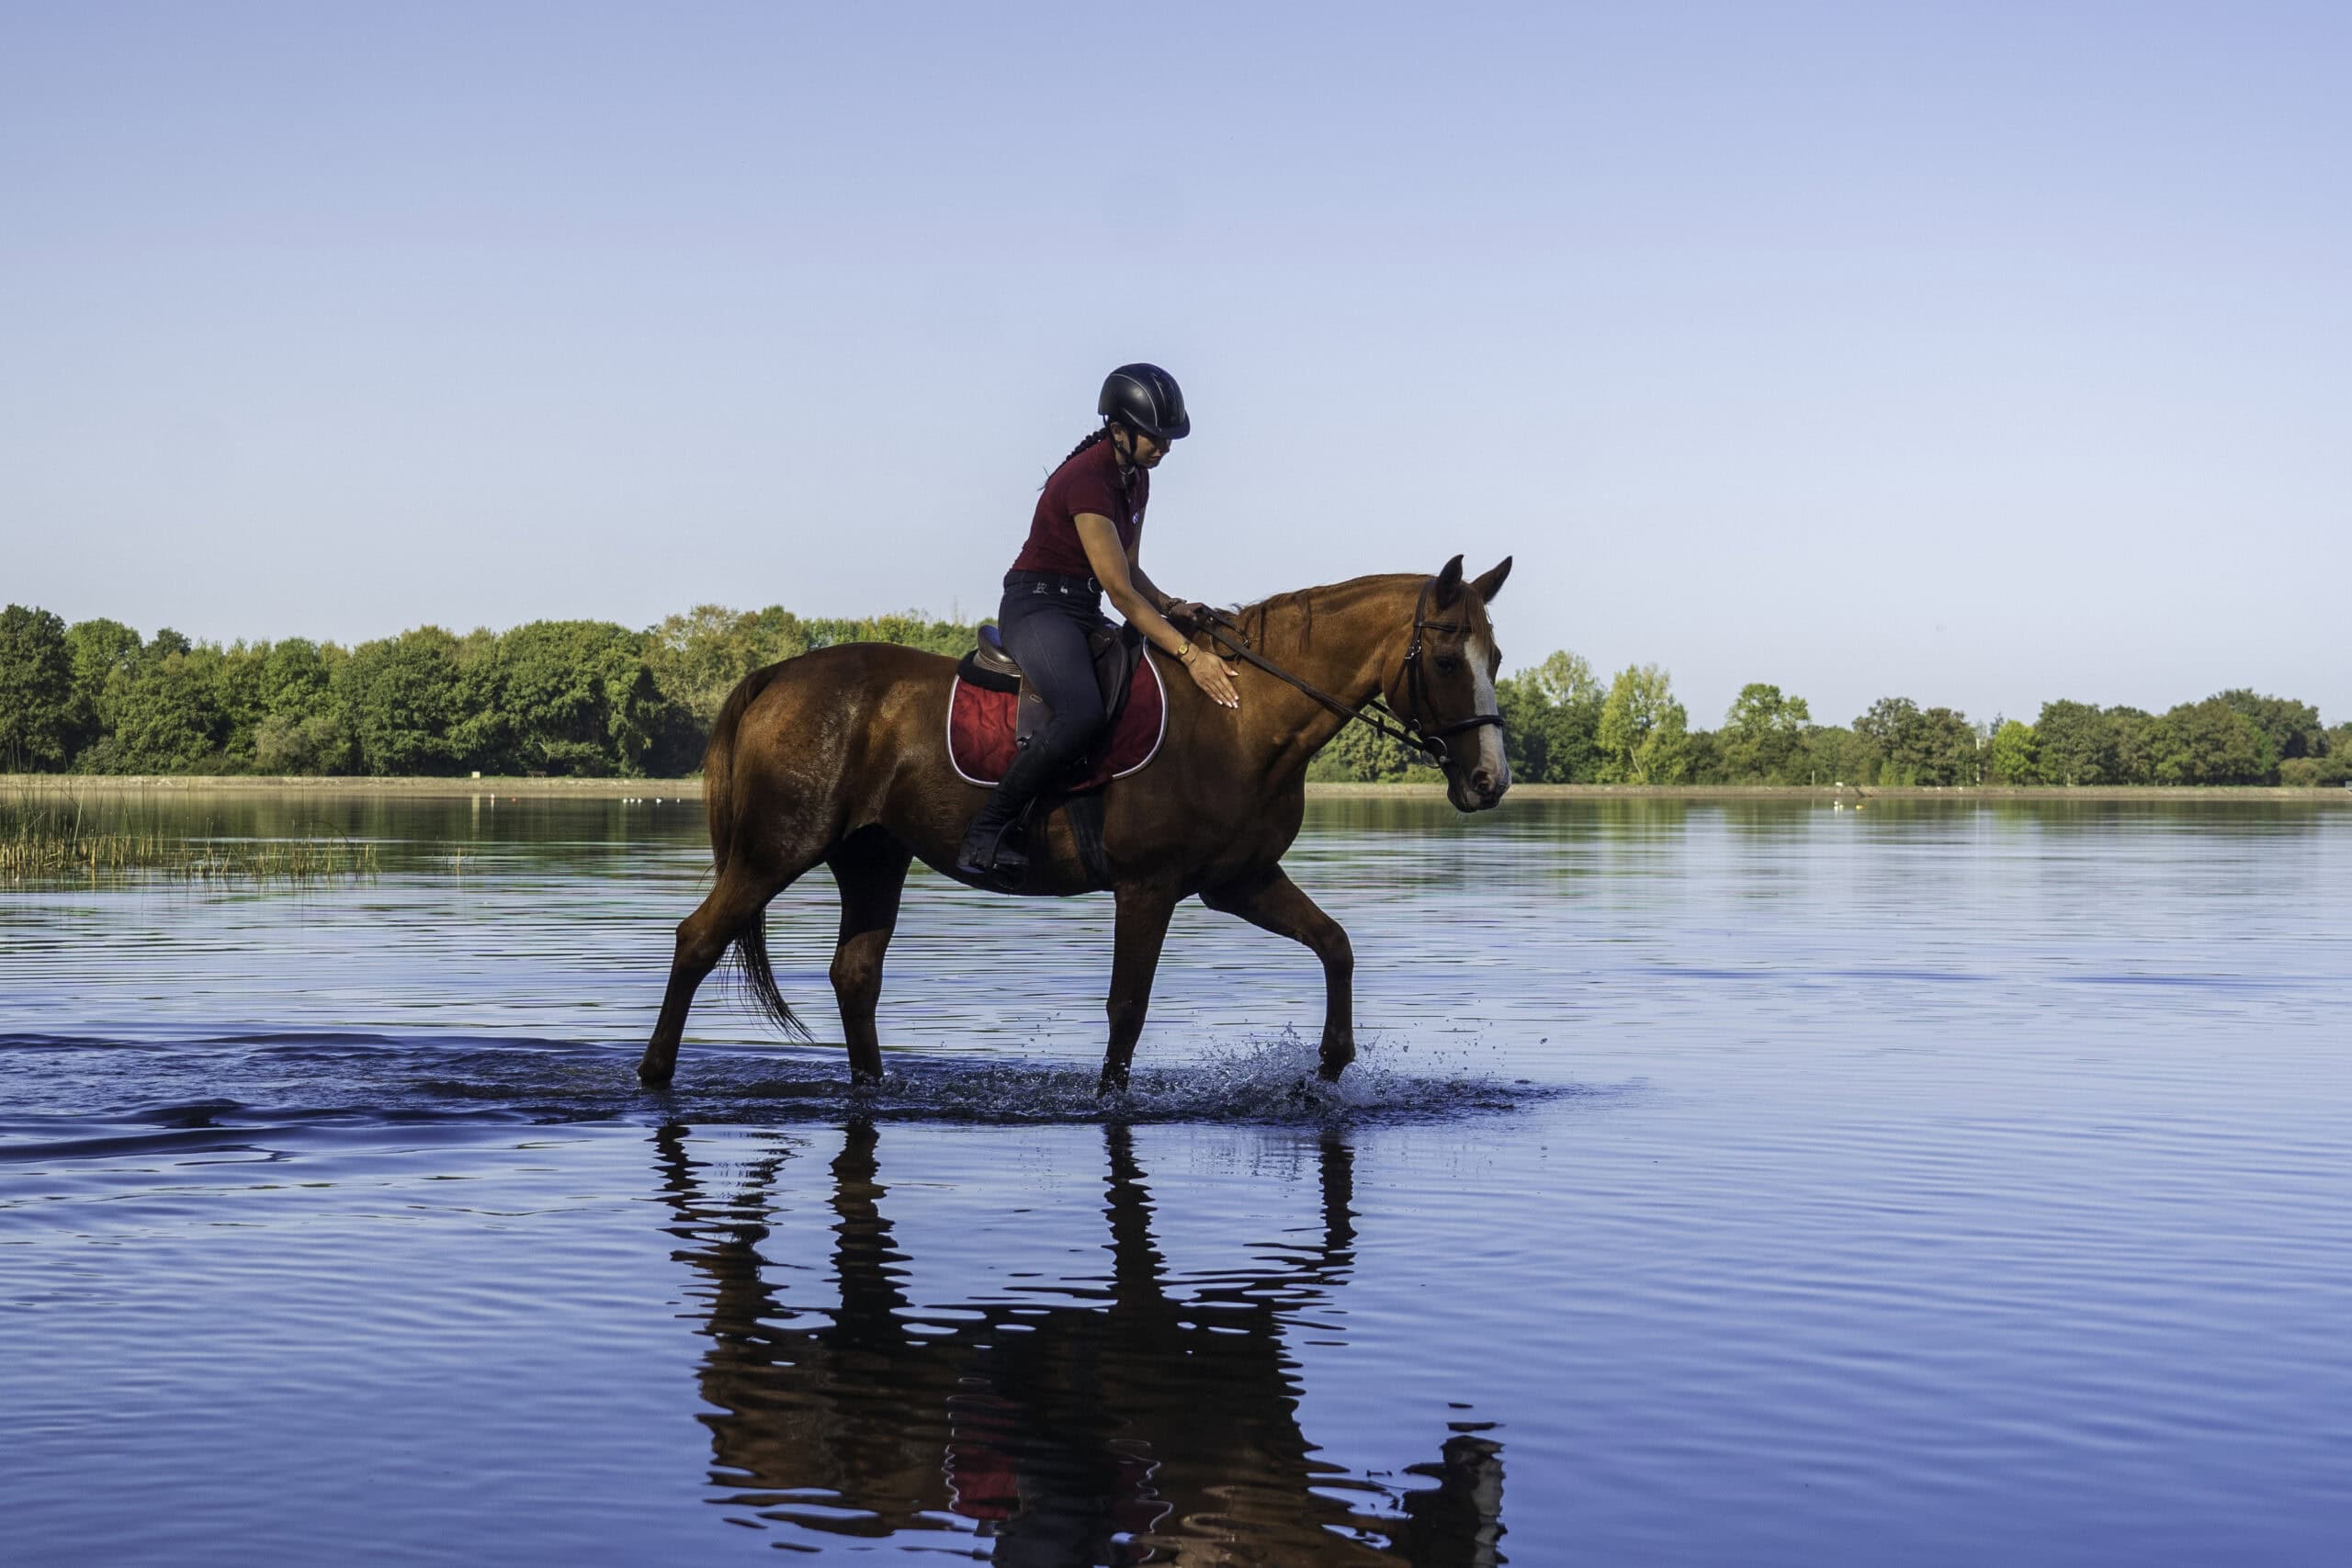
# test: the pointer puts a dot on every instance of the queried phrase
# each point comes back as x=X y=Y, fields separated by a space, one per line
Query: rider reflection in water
x=1086 y=541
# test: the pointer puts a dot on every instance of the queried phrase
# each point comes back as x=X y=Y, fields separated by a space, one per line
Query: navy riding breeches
x=1047 y=634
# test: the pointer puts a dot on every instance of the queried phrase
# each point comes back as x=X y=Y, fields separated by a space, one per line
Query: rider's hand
x=1191 y=610
x=1210 y=675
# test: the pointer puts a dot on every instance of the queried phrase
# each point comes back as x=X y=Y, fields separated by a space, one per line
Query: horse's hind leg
x=870 y=867
x=734 y=902
x=1273 y=902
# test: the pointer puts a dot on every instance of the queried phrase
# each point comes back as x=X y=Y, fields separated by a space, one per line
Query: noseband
x=1407 y=726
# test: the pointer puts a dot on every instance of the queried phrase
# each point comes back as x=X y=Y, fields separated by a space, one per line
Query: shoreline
x=1851 y=793
x=691 y=789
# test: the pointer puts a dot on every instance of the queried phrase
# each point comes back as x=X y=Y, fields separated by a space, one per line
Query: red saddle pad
x=981 y=723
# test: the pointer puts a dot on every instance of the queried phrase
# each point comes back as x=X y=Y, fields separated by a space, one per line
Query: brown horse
x=839 y=756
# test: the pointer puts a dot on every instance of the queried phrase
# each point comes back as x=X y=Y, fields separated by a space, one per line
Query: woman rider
x=1086 y=541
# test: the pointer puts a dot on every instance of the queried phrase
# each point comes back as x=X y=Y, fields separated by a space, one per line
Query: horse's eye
x=1448 y=666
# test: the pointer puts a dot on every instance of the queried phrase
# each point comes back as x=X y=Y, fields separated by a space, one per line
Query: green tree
x=1642 y=729
x=1664 y=756
x=1936 y=746
x=37 y=722
x=168 y=713
x=1702 y=758
x=2291 y=727
x=2133 y=741
x=101 y=650
x=2335 y=766
x=1887 y=732
x=403 y=698
x=1563 y=677
x=301 y=728
x=1551 y=721
x=316 y=743
x=1941 y=749
x=573 y=697
x=1832 y=754
x=2074 y=744
x=239 y=688
x=298 y=678
x=2013 y=754
x=698 y=658
x=1762 y=734
x=2210 y=744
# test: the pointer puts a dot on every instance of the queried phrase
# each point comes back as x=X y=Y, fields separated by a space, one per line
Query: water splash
x=66 y=1088
x=1263 y=1079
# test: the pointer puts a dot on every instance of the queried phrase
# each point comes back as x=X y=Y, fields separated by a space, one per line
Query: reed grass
x=53 y=835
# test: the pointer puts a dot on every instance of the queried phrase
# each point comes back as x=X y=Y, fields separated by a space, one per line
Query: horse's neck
x=1341 y=639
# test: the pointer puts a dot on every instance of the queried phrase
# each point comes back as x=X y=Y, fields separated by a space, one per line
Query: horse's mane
x=1293 y=614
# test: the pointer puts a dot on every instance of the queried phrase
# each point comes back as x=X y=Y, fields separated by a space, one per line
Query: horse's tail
x=718 y=810
x=719 y=764
x=759 y=978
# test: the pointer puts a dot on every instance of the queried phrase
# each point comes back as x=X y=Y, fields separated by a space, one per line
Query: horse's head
x=1445 y=686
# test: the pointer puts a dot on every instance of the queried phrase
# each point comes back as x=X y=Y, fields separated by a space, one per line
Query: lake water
x=1749 y=1183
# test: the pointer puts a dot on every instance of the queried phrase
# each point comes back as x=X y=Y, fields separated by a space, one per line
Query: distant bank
x=691 y=789
x=590 y=699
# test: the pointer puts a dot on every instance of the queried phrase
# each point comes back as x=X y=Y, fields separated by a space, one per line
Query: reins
x=1407 y=728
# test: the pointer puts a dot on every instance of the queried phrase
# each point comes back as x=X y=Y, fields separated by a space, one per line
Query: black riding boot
x=992 y=847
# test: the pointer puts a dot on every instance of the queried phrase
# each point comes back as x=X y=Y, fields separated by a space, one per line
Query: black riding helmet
x=1145 y=398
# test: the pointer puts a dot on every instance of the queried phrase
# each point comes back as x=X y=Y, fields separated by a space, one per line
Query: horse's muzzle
x=1477 y=790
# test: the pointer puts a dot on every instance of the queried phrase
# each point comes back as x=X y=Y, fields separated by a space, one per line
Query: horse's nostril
x=1483 y=781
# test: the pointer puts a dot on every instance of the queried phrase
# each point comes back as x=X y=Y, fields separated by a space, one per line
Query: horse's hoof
x=1300 y=1094
x=655 y=1078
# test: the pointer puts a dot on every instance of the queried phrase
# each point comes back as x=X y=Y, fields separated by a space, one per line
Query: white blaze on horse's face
x=1493 y=760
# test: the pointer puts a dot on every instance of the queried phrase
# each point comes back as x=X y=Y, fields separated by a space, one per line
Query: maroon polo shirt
x=1086 y=483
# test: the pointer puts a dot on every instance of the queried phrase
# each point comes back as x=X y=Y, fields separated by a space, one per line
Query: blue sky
x=1978 y=353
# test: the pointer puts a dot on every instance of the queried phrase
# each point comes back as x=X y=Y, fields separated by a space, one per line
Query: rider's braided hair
x=1100 y=433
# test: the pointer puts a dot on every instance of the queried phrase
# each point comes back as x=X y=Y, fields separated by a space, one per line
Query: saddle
x=994 y=709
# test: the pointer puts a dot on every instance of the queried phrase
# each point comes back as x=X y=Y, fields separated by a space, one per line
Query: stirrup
x=1007 y=870
x=1006 y=864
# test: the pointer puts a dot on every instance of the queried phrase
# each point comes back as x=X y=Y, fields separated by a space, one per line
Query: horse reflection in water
x=1143 y=1429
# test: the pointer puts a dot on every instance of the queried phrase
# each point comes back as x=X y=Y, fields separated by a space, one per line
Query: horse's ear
x=1449 y=583
x=1491 y=583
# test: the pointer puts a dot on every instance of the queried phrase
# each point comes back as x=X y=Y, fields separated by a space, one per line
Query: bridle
x=1408 y=726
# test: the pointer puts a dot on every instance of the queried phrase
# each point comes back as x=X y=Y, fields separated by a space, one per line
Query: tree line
x=1563 y=725
x=586 y=698
x=593 y=698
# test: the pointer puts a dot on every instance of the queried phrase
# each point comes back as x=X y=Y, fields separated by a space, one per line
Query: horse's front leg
x=1140 y=931
x=1272 y=901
